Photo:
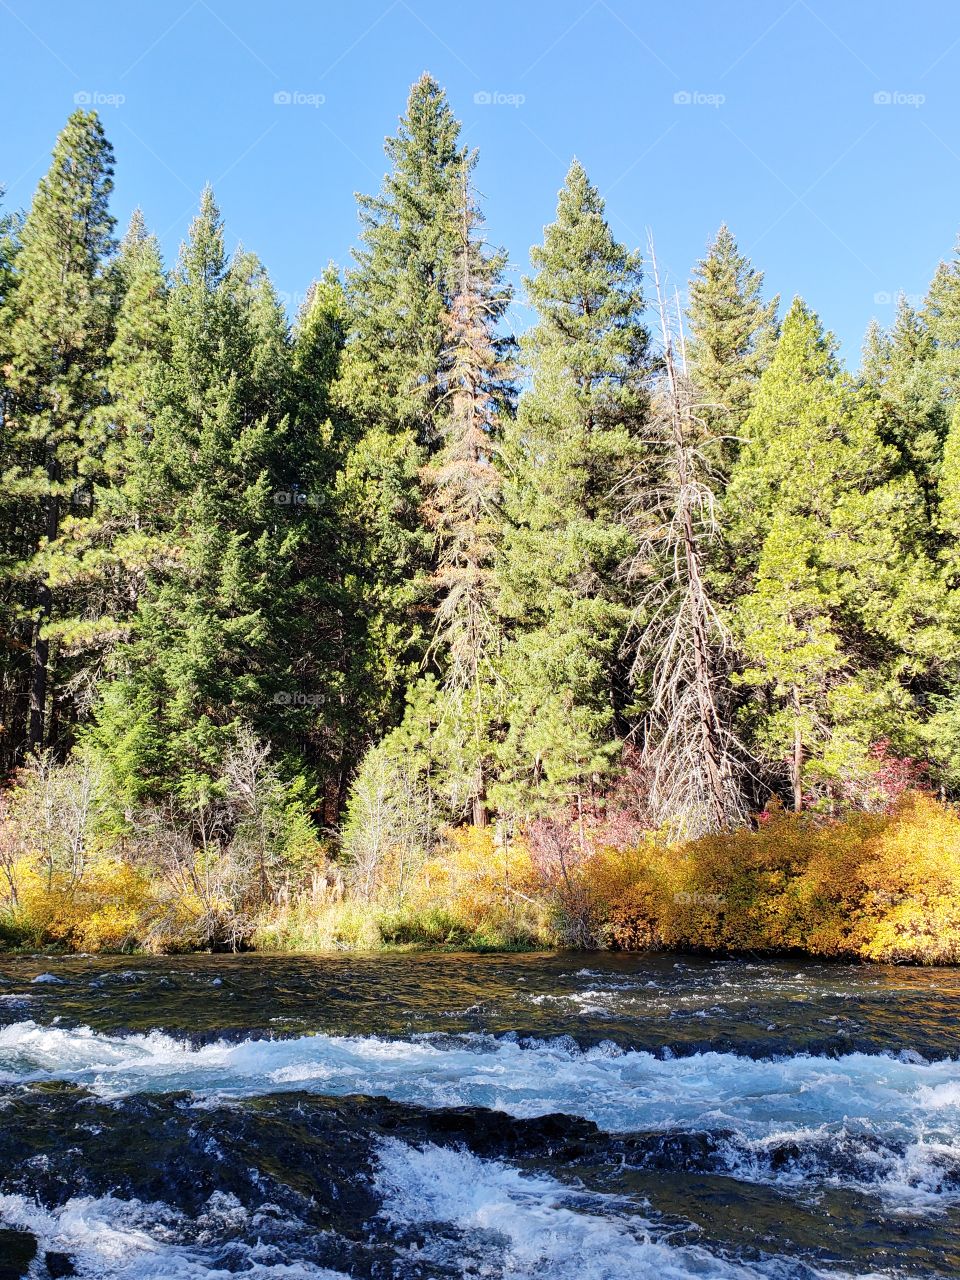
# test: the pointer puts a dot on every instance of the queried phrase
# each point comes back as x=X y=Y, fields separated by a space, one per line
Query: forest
x=387 y=627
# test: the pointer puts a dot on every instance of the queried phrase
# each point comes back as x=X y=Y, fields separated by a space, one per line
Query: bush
x=480 y=889
x=873 y=886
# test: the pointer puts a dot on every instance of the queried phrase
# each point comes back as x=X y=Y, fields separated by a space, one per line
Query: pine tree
x=203 y=657
x=855 y=518
x=901 y=370
x=792 y=649
x=108 y=547
x=322 y=624
x=13 y=673
x=949 y=493
x=463 y=500
x=732 y=335
x=576 y=440
x=942 y=729
x=942 y=315
x=398 y=290
x=58 y=325
x=391 y=384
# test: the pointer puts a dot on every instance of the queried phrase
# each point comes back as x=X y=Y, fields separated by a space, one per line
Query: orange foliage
x=872 y=886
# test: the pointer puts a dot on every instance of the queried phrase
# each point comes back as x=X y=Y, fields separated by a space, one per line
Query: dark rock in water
x=17 y=1250
x=59 y=1264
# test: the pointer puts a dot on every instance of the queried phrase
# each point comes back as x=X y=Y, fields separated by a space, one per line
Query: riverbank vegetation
x=384 y=628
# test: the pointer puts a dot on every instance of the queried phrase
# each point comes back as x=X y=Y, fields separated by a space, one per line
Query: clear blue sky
x=836 y=196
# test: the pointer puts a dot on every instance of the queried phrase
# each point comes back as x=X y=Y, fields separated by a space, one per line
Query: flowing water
x=477 y=1116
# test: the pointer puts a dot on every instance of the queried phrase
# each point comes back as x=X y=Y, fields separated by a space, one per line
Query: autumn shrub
x=478 y=890
x=910 y=886
x=871 y=886
x=102 y=912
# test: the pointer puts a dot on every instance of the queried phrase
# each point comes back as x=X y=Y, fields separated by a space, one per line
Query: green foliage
x=901 y=370
x=732 y=336
x=262 y=581
x=390 y=384
x=57 y=325
x=576 y=440
x=942 y=314
x=845 y=614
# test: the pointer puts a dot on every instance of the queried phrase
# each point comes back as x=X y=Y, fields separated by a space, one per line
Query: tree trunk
x=40 y=657
x=796 y=763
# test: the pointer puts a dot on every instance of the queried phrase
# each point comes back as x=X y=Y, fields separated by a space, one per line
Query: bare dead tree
x=679 y=641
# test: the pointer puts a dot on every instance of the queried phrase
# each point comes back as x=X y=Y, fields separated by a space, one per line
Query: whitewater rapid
x=890 y=1124
x=479 y=1118
x=488 y=1218
x=619 y=1090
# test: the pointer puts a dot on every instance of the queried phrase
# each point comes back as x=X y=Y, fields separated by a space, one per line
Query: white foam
x=915 y=1104
x=620 y=1091
x=112 y=1239
x=521 y=1226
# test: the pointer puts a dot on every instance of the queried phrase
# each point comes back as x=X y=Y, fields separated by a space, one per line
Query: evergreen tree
x=391 y=384
x=942 y=315
x=58 y=330
x=732 y=335
x=949 y=493
x=108 y=546
x=942 y=730
x=792 y=649
x=900 y=368
x=463 y=500
x=322 y=624
x=576 y=440
x=815 y=468
x=204 y=657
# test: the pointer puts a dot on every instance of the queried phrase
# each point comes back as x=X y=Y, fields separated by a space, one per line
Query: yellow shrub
x=910 y=886
x=482 y=883
x=100 y=912
x=873 y=886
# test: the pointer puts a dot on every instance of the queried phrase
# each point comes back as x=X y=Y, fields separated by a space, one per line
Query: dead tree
x=680 y=646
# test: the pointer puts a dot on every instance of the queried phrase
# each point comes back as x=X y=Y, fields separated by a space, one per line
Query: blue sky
x=825 y=134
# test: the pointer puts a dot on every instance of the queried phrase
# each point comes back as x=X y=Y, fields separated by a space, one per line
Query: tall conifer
x=58 y=332
x=576 y=439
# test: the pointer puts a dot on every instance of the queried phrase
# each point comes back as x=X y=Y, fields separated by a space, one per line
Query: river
x=564 y=1117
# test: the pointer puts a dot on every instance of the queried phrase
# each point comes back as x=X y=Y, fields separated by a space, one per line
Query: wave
x=508 y=1223
x=621 y=1091
x=449 y=1211
x=864 y=1121
x=112 y=1239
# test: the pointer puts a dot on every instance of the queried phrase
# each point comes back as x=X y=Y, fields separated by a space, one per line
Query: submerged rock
x=58 y=1265
x=17 y=1250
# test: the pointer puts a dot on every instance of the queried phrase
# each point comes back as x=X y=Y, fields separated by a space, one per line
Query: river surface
x=563 y=1117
